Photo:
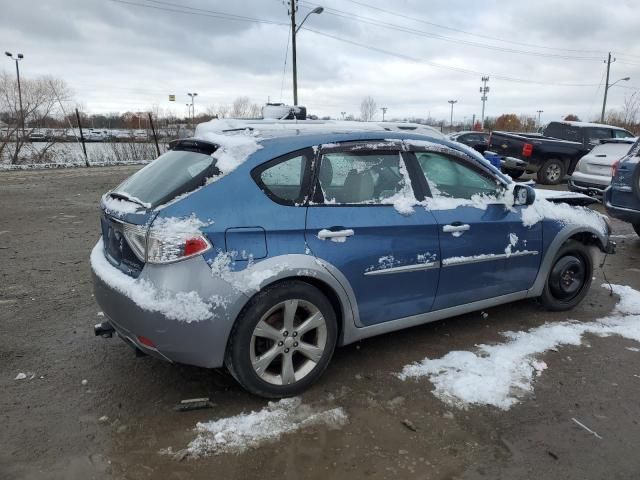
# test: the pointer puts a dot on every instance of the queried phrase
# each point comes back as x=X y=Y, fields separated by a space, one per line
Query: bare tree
x=41 y=101
x=240 y=107
x=368 y=109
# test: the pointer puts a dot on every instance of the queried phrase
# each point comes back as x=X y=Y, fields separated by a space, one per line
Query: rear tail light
x=614 y=168
x=527 y=150
x=164 y=247
x=171 y=248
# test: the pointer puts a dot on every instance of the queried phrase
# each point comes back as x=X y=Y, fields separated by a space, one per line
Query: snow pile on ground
x=569 y=215
x=250 y=430
x=501 y=375
x=183 y=306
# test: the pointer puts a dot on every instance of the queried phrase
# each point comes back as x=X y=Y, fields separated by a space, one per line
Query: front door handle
x=456 y=228
x=335 y=235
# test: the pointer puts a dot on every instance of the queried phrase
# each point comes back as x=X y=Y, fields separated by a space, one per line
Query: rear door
x=486 y=251
x=361 y=222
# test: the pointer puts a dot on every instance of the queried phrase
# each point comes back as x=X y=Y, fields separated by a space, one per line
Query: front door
x=486 y=249
x=359 y=224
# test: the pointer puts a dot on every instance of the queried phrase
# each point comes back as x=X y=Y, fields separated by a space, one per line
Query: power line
x=488 y=37
x=198 y=11
x=447 y=67
x=405 y=29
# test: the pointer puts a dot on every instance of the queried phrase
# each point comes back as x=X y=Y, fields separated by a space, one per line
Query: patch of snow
x=246 y=431
x=471 y=258
x=233 y=149
x=403 y=200
x=21 y=376
x=513 y=240
x=248 y=280
x=501 y=375
x=182 y=306
x=118 y=207
x=566 y=214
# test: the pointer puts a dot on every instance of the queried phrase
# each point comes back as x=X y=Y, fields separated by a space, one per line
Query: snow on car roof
x=267 y=128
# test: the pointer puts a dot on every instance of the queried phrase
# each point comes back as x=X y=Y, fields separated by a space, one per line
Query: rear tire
x=283 y=340
x=569 y=279
x=514 y=174
x=552 y=172
x=636 y=228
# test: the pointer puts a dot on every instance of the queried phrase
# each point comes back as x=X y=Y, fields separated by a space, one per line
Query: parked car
x=555 y=153
x=91 y=135
x=39 y=135
x=479 y=141
x=262 y=252
x=140 y=135
x=593 y=172
x=622 y=197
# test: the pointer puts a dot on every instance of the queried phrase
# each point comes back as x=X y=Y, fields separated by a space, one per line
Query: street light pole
x=17 y=58
x=384 y=111
x=539 y=112
x=606 y=89
x=193 y=108
x=452 y=102
x=294 y=31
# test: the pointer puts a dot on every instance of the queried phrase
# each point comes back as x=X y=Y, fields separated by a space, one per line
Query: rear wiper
x=129 y=198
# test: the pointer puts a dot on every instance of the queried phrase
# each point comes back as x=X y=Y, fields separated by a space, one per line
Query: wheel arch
x=586 y=235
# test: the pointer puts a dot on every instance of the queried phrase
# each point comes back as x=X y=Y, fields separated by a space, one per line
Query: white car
x=140 y=135
x=593 y=172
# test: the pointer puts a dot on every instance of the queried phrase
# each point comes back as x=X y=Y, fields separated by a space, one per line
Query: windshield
x=171 y=174
x=614 y=150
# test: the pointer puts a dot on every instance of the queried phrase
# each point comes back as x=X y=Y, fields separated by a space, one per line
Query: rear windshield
x=171 y=174
x=563 y=132
x=616 y=150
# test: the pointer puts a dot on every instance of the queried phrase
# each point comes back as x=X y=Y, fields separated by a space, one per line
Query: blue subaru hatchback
x=622 y=197
x=263 y=250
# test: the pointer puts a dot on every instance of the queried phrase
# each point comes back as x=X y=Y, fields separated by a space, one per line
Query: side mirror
x=523 y=195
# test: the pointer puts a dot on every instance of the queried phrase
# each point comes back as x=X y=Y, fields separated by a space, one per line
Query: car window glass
x=564 y=132
x=448 y=177
x=596 y=134
x=284 y=180
x=621 y=134
x=351 y=178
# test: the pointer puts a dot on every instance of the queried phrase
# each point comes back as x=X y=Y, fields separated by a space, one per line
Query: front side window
x=448 y=177
x=351 y=178
x=282 y=180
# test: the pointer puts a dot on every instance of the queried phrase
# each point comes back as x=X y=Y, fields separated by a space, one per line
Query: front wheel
x=569 y=279
x=552 y=172
x=283 y=340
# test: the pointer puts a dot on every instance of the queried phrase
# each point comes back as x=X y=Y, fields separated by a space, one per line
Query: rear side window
x=622 y=134
x=596 y=134
x=447 y=177
x=352 y=178
x=563 y=132
x=283 y=180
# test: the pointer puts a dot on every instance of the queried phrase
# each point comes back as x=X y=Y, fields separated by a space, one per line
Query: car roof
x=588 y=124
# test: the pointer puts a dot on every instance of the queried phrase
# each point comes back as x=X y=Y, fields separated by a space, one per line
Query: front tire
x=569 y=279
x=552 y=172
x=283 y=340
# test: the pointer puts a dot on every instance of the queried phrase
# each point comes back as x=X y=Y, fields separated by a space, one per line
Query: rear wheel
x=570 y=277
x=636 y=228
x=514 y=174
x=283 y=340
x=552 y=172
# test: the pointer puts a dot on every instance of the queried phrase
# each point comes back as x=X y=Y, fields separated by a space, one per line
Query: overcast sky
x=410 y=55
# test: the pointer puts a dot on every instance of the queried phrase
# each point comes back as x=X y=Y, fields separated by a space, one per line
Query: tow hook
x=104 y=330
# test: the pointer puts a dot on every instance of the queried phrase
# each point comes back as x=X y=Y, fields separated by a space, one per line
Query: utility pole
x=17 y=58
x=452 y=102
x=293 y=8
x=606 y=86
x=539 y=112
x=483 y=90
x=384 y=110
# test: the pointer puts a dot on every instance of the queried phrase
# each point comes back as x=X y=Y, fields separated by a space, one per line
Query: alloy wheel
x=288 y=342
x=553 y=172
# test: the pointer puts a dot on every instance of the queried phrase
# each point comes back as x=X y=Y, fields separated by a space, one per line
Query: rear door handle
x=335 y=235
x=456 y=228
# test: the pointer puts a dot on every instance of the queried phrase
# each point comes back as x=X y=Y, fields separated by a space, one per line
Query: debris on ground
x=84 y=382
x=21 y=376
x=194 y=404
x=595 y=434
x=409 y=424
x=103 y=419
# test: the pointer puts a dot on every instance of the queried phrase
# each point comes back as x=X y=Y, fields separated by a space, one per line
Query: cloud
x=116 y=56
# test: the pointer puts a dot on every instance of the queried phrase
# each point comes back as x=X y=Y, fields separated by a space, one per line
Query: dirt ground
x=51 y=425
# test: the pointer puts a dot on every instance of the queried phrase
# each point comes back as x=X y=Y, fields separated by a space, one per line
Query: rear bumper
x=582 y=184
x=625 y=214
x=200 y=342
